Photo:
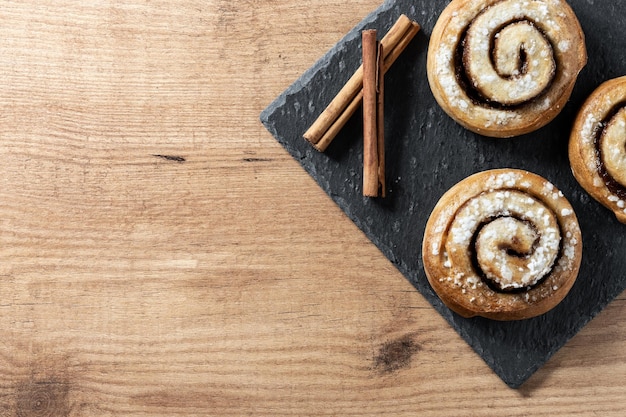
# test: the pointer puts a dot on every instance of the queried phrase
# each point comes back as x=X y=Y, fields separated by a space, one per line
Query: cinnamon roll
x=503 y=244
x=597 y=147
x=503 y=68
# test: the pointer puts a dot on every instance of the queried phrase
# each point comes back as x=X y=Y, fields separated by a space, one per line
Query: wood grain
x=159 y=250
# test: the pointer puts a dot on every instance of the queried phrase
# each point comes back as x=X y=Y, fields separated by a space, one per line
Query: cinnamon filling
x=518 y=249
x=516 y=57
x=613 y=184
x=509 y=239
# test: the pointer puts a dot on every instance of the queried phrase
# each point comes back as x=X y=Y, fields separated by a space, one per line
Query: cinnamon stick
x=380 y=120
x=370 y=113
x=342 y=107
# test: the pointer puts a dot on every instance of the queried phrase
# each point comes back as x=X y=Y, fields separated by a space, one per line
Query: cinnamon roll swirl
x=503 y=68
x=597 y=147
x=503 y=244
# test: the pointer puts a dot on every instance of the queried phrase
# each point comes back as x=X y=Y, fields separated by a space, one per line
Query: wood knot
x=42 y=399
x=173 y=158
x=395 y=354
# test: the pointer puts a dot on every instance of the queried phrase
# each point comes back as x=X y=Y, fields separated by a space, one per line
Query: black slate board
x=427 y=153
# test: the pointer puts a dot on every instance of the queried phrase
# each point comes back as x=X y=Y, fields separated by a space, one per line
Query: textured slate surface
x=427 y=153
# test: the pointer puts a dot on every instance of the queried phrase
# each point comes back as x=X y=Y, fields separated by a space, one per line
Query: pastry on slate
x=503 y=244
x=504 y=68
x=597 y=147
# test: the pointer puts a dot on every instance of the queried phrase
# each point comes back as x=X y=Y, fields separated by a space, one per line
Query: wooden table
x=163 y=255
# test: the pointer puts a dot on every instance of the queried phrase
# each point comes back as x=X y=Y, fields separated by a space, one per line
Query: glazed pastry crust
x=461 y=284
x=564 y=44
x=584 y=155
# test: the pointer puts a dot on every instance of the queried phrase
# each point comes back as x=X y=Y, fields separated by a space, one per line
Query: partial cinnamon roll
x=503 y=244
x=503 y=68
x=597 y=147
